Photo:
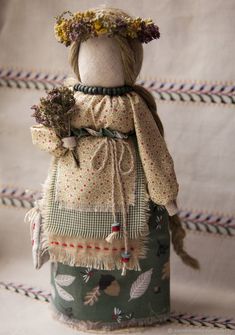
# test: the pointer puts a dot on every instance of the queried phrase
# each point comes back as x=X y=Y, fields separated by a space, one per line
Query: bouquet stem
x=76 y=160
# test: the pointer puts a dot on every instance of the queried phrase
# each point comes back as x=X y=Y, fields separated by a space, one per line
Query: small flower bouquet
x=55 y=111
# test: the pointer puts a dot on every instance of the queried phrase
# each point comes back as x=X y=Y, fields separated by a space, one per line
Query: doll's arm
x=157 y=162
x=172 y=207
x=47 y=140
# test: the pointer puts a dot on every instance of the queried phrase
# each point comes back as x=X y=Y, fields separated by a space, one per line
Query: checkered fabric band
x=69 y=222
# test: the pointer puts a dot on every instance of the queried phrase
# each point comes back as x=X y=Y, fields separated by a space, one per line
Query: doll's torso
x=103 y=111
x=90 y=187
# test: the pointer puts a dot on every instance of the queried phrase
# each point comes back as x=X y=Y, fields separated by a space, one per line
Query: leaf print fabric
x=64 y=280
x=92 y=296
x=108 y=284
x=102 y=297
x=141 y=284
x=63 y=294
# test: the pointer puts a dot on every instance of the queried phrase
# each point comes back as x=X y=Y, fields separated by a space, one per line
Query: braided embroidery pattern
x=192 y=92
x=26 y=291
x=18 y=198
x=200 y=320
x=210 y=223
x=29 y=79
x=165 y=90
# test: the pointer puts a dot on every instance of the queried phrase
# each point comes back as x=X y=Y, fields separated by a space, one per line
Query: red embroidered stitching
x=88 y=246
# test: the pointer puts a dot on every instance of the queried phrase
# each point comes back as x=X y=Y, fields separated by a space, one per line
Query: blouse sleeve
x=46 y=139
x=157 y=162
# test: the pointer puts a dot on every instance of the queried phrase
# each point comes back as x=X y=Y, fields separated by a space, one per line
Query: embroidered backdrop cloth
x=192 y=61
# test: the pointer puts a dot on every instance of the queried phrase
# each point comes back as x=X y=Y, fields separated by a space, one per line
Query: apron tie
x=110 y=144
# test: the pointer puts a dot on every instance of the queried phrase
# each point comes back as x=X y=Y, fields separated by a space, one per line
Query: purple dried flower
x=80 y=30
x=55 y=110
x=148 y=32
x=120 y=25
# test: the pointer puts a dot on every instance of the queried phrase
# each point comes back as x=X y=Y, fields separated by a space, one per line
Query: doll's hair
x=132 y=57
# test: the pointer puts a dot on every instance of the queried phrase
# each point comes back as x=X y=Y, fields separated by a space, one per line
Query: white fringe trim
x=97 y=260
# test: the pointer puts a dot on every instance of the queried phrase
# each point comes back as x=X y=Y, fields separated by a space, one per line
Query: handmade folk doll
x=109 y=201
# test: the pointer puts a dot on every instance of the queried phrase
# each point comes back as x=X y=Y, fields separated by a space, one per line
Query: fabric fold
x=157 y=162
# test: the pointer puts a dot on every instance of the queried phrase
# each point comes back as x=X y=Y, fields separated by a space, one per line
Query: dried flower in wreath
x=81 y=26
x=55 y=111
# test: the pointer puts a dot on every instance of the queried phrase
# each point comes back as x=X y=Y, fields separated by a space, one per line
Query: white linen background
x=196 y=45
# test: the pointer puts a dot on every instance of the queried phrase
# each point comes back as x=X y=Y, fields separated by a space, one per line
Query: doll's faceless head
x=107 y=61
x=100 y=62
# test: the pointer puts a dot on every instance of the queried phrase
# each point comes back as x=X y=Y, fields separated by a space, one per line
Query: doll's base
x=129 y=326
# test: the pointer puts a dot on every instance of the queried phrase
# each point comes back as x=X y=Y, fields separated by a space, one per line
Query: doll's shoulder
x=138 y=103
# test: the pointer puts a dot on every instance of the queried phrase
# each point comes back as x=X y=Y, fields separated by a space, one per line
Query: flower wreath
x=81 y=26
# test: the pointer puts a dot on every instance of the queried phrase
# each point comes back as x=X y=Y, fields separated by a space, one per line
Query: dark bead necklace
x=103 y=90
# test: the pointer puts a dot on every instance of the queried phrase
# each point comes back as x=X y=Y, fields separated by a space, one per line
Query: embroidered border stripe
x=191 y=92
x=11 y=196
x=26 y=291
x=163 y=89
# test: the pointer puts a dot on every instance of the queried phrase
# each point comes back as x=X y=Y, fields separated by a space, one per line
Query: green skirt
x=90 y=299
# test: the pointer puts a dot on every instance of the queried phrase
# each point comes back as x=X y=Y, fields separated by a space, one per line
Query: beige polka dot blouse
x=89 y=187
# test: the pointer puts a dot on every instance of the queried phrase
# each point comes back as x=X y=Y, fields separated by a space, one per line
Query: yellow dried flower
x=97 y=25
x=60 y=30
x=102 y=31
